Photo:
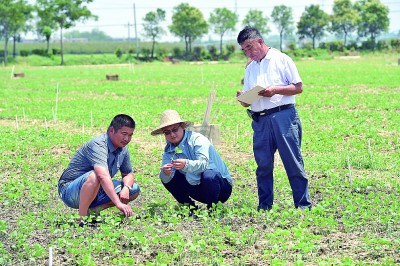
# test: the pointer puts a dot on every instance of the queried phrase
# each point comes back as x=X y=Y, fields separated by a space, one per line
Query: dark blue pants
x=212 y=188
x=279 y=131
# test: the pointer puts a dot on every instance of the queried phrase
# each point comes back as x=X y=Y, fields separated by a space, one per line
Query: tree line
x=367 y=18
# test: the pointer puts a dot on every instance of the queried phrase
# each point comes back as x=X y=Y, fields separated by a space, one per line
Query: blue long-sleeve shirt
x=200 y=155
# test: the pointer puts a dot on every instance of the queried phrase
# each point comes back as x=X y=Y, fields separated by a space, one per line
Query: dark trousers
x=212 y=188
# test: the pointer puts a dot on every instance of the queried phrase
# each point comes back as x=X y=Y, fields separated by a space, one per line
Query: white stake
x=16 y=121
x=12 y=72
x=50 y=256
x=83 y=128
x=55 y=117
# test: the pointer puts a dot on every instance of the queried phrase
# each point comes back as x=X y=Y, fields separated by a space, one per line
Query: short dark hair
x=122 y=120
x=248 y=33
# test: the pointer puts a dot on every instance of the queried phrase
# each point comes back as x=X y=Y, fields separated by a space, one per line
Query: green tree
x=313 y=23
x=188 y=23
x=66 y=13
x=13 y=20
x=282 y=16
x=373 y=20
x=222 y=20
x=152 y=28
x=45 y=25
x=344 y=18
x=256 y=19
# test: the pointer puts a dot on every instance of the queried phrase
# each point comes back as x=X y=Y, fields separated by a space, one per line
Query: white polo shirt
x=276 y=68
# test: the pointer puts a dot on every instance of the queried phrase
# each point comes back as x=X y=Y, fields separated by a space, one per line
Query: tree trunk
x=48 y=44
x=220 y=45
x=152 y=49
x=280 y=40
x=5 y=49
x=62 y=46
x=14 y=46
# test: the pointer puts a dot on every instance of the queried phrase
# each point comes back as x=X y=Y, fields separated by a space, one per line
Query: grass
x=351 y=124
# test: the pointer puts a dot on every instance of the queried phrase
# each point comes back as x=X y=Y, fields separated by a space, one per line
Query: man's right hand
x=167 y=168
x=126 y=209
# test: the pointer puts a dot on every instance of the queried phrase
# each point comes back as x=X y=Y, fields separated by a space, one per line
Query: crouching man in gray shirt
x=87 y=182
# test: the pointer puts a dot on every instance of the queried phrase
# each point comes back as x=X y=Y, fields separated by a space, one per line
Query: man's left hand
x=267 y=92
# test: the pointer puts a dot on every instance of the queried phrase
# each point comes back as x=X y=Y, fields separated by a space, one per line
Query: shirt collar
x=111 y=146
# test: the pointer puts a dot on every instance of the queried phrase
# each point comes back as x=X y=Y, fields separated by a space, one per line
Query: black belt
x=255 y=115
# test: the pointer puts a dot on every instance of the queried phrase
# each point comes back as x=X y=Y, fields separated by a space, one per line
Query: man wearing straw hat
x=87 y=182
x=191 y=167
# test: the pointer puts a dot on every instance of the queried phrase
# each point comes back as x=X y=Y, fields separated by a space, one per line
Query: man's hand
x=179 y=163
x=124 y=195
x=238 y=93
x=167 y=168
x=267 y=92
x=126 y=209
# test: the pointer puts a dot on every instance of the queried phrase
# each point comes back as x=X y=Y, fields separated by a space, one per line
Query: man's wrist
x=128 y=187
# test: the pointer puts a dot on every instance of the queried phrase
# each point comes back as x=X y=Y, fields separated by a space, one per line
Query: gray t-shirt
x=98 y=151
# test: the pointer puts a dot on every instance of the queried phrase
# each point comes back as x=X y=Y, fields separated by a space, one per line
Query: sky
x=114 y=16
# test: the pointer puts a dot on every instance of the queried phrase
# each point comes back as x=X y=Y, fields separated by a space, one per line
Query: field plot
x=350 y=111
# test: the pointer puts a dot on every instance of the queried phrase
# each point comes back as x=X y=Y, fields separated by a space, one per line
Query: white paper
x=251 y=95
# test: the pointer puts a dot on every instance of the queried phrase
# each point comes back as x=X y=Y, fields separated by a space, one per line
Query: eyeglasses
x=174 y=130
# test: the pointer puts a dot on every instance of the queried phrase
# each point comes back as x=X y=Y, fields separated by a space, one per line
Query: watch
x=129 y=188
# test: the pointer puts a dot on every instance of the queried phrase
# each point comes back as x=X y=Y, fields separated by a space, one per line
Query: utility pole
x=136 y=37
x=129 y=36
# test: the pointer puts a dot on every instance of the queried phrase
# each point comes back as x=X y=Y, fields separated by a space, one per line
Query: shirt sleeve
x=291 y=72
x=96 y=153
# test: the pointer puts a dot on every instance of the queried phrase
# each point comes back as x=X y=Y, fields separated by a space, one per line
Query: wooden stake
x=16 y=121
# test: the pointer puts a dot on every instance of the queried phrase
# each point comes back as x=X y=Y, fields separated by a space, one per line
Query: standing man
x=276 y=124
x=87 y=182
x=191 y=167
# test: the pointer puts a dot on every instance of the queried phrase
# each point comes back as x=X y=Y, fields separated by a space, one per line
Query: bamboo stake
x=50 y=256
x=83 y=128
x=55 y=116
x=16 y=121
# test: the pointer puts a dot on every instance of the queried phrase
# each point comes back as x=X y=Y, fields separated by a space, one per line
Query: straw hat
x=169 y=117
